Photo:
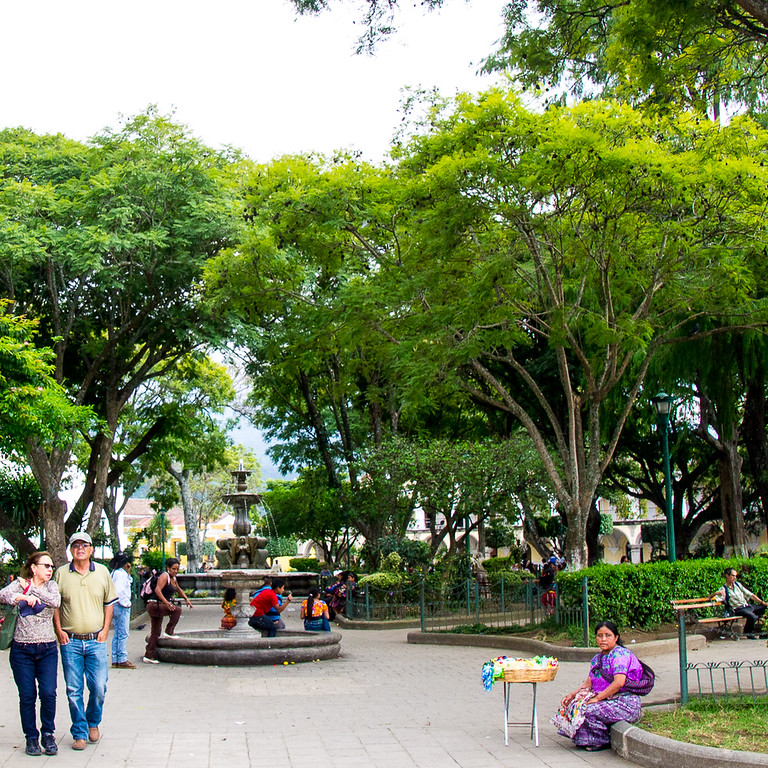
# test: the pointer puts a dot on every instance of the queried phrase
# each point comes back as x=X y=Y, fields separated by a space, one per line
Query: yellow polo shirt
x=84 y=597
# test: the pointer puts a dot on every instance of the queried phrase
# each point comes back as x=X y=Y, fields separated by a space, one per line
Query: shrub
x=392 y=563
x=153 y=559
x=640 y=595
x=306 y=564
x=385 y=580
x=495 y=564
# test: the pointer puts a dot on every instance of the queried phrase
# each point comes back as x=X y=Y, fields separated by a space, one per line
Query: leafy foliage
x=639 y=595
x=306 y=564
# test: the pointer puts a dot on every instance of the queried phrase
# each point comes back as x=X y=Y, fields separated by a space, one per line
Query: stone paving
x=382 y=704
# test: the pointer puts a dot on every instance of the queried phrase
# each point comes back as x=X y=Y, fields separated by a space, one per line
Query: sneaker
x=33 y=747
x=78 y=744
x=48 y=741
x=147 y=660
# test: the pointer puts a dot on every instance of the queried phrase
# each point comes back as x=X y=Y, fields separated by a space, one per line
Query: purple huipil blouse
x=619 y=661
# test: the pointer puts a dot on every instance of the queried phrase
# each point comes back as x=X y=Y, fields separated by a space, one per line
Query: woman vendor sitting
x=606 y=696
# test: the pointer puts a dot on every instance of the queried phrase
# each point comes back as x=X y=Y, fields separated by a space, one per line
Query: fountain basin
x=246 y=648
x=298 y=582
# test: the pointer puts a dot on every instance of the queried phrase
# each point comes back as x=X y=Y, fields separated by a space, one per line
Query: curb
x=653 y=751
x=540 y=648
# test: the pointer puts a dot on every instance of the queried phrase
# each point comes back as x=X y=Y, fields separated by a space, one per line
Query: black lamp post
x=663 y=404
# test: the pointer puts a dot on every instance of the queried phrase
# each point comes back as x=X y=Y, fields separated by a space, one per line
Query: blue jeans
x=34 y=668
x=121 y=621
x=320 y=624
x=84 y=659
x=263 y=623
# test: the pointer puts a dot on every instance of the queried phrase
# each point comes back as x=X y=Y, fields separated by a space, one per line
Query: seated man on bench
x=736 y=598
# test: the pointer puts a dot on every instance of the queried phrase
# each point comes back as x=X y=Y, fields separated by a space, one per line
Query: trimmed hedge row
x=639 y=595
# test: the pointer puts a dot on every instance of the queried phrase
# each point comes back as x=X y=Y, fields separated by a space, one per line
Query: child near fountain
x=228 y=621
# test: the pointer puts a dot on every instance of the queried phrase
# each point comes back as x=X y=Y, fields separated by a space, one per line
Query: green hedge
x=306 y=564
x=639 y=595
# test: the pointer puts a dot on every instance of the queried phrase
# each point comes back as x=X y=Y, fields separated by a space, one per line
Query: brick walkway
x=382 y=704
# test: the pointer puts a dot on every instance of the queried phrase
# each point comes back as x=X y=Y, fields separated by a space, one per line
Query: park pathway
x=381 y=704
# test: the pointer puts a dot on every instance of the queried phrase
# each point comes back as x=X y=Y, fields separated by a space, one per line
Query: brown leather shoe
x=78 y=744
x=93 y=733
x=124 y=665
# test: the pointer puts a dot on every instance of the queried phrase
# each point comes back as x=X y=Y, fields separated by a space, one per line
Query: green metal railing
x=501 y=603
x=728 y=678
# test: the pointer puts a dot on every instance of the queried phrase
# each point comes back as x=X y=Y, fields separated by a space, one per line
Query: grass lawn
x=738 y=723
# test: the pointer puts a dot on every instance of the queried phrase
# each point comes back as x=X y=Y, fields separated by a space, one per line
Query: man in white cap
x=82 y=624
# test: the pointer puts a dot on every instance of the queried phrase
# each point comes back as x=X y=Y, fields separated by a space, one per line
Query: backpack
x=148 y=588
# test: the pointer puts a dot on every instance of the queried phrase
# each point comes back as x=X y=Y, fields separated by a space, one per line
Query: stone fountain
x=242 y=559
x=241 y=550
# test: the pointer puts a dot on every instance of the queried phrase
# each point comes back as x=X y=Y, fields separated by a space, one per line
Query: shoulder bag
x=9 y=623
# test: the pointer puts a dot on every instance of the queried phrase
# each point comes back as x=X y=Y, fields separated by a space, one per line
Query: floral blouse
x=38 y=627
x=318 y=609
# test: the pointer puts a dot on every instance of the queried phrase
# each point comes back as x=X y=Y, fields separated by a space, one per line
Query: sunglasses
x=44 y=565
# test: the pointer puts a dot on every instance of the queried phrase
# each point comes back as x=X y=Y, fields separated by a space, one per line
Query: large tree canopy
x=538 y=262
x=643 y=51
x=104 y=244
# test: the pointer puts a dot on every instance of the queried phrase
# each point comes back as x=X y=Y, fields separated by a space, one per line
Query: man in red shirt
x=266 y=601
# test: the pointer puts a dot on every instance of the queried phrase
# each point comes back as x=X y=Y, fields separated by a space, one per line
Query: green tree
x=663 y=55
x=193 y=445
x=19 y=509
x=33 y=405
x=106 y=248
x=311 y=510
x=591 y=236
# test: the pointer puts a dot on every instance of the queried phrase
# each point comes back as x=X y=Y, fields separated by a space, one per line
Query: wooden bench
x=725 y=625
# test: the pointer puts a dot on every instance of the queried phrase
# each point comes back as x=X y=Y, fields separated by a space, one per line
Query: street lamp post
x=663 y=403
x=162 y=535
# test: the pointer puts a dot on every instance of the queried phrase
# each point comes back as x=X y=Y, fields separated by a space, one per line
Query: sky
x=245 y=73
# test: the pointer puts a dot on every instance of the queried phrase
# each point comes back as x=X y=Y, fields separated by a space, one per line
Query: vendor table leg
x=534 y=719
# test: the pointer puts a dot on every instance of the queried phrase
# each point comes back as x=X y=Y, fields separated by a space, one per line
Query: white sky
x=243 y=72
x=248 y=73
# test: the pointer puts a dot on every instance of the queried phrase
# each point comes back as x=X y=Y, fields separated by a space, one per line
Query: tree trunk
x=734 y=531
x=48 y=471
x=191 y=525
x=593 y=535
x=575 y=537
x=753 y=431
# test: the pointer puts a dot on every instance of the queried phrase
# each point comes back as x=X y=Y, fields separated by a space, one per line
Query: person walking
x=81 y=623
x=34 y=655
x=161 y=604
x=121 y=618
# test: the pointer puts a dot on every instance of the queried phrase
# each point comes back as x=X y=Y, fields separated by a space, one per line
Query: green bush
x=385 y=580
x=306 y=564
x=639 y=595
x=495 y=564
x=153 y=559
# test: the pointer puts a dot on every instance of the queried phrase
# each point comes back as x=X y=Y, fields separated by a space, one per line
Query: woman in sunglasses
x=34 y=651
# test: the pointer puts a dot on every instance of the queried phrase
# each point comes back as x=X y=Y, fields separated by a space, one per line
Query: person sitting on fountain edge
x=267 y=601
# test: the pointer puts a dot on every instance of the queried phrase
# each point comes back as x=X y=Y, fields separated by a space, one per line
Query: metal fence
x=502 y=603
x=728 y=678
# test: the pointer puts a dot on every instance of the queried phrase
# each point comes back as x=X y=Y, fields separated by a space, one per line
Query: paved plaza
x=382 y=704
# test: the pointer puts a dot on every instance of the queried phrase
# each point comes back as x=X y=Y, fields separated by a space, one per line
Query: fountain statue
x=241 y=550
x=241 y=560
